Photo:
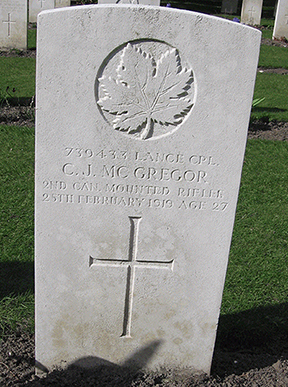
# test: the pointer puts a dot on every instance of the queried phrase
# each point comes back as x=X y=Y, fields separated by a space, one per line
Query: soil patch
x=21 y=53
x=272 y=130
x=273 y=71
x=275 y=42
x=17 y=369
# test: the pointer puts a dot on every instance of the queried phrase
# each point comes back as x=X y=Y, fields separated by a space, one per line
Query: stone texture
x=62 y=3
x=141 y=2
x=281 y=20
x=251 y=12
x=13 y=27
x=36 y=6
x=139 y=154
x=229 y=6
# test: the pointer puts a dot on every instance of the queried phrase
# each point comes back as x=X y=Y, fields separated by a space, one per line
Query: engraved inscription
x=143 y=93
x=131 y=265
x=137 y=179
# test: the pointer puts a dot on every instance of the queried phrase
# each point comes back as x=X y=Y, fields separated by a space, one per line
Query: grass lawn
x=274 y=88
x=255 y=301
x=258 y=271
x=32 y=38
x=273 y=57
x=18 y=74
x=17 y=225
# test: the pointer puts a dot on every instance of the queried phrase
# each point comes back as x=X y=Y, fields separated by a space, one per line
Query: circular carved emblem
x=144 y=89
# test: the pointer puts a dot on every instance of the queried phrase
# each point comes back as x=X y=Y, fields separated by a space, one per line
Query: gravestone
x=62 y=3
x=229 y=6
x=280 y=30
x=13 y=27
x=141 y=2
x=251 y=12
x=36 y=6
x=139 y=154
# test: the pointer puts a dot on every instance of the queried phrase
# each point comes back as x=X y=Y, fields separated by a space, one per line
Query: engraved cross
x=132 y=263
x=42 y=1
x=8 y=22
x=252 y=10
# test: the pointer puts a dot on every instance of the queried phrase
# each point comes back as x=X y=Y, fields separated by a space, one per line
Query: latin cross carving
x=252 y=10
x=8 y=22
x=42 y=1
x=132 y=263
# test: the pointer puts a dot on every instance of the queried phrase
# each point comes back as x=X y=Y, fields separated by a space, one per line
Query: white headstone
x=13 y=24
x=142 y=2
x=62 y=3
x=138 y=162
x=251 y=12
x=281 y=20
x=36 y=6
x=229 y=6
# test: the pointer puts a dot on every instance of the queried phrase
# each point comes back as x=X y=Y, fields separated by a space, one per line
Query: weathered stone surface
x=281 y=20
x=141 y=133
x=251 y=12
x=36 y=6
x=13 y=25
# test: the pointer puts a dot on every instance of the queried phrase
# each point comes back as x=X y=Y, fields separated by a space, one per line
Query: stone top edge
x=79 y=8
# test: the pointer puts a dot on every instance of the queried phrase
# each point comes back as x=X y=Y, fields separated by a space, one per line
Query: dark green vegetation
x=17 y=79
x=16 y=232
x=273 y=57
x=32 y=37
x=274 y=87
x=258 y=271
x=255 y=301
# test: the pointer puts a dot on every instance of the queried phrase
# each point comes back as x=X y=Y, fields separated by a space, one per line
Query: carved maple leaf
x=145 y=91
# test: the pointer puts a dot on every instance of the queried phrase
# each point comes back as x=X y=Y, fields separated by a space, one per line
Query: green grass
x=274 y=88
x=16 y=311
x=258 y=271
x=32 y=38
x=254 y=310
x=17 y=225
x=273 y=57
x=19 y=74
x=268 y=23
x=267 y=34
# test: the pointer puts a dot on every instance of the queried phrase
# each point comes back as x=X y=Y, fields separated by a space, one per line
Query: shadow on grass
x=254 y=338
x=17 y=101
x=268 y=109
x=16 y=278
